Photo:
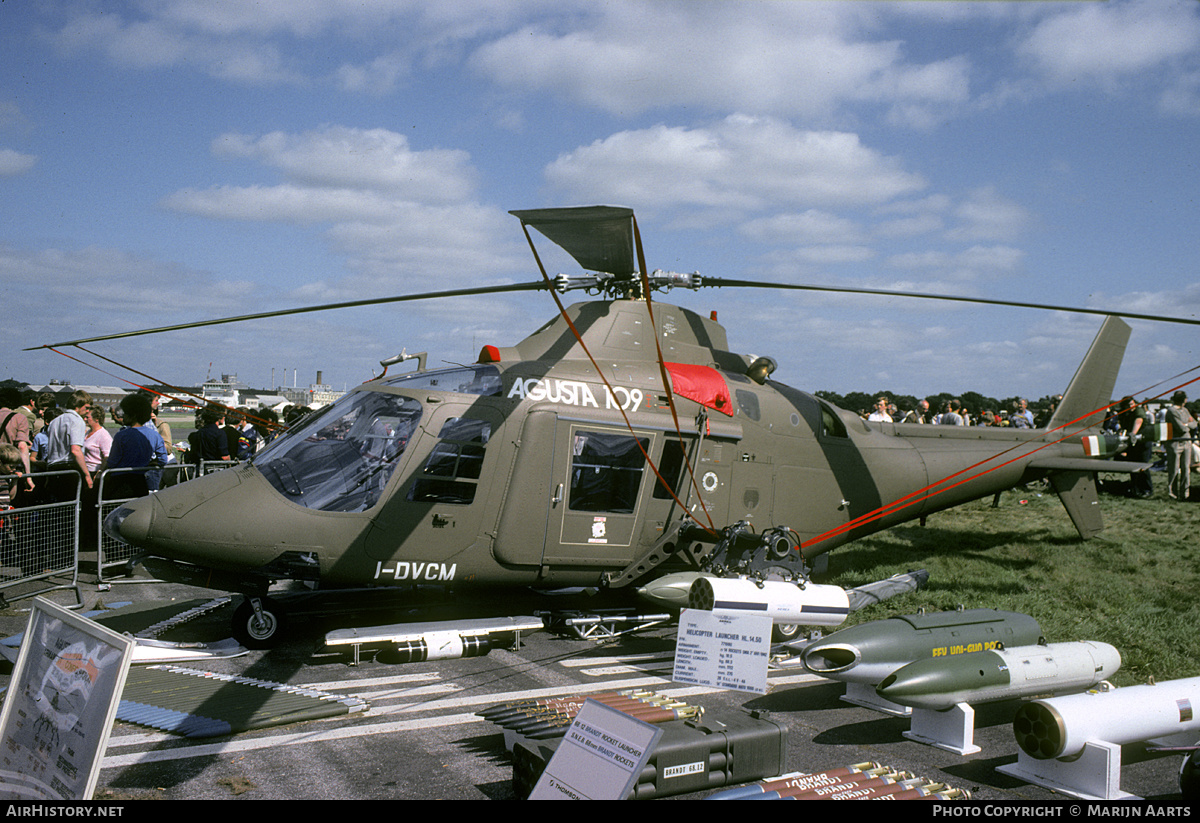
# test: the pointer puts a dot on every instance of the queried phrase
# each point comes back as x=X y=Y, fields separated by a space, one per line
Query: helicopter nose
x=130 y=523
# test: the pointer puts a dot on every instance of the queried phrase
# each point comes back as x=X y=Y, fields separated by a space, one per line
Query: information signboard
x=600 y=757
x=725 y=650
x=60 y=705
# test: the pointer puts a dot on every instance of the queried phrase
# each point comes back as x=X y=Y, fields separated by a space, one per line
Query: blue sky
x=164 y=161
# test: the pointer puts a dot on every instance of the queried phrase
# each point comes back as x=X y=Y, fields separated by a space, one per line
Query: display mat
x=202 y=704
x=152 y=618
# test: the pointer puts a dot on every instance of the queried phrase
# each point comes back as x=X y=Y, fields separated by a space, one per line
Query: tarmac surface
x=421 y=737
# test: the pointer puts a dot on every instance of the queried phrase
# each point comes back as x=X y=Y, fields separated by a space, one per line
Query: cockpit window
x=342 y=460
x=831 y=422
x=478 y=380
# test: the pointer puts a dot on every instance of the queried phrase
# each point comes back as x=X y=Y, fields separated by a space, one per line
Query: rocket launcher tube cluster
x=1060 y=726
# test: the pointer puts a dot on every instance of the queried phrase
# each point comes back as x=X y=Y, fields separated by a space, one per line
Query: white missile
x=672 y=590
x=939 y=683
x=439 y=640
x=1060 y=727
x=787 y=603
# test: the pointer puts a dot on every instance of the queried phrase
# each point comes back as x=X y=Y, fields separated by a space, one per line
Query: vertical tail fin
x=1091 y=387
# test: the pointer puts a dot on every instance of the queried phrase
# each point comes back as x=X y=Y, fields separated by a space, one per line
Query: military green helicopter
x=620 y=442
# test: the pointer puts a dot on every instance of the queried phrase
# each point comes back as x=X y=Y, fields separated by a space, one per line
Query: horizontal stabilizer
x=1085 y=464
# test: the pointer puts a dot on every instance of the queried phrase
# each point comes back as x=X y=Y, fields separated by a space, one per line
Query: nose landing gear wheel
x=258 y=630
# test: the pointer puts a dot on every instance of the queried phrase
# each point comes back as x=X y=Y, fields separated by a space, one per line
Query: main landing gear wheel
x=258 y=630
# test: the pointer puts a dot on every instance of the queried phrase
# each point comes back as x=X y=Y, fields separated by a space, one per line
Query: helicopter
x=618 y=443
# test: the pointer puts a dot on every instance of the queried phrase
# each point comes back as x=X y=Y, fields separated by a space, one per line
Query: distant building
x=106 y=396
x=226 y=391
x=317 y=394
x=322 y=395
x=267 y=401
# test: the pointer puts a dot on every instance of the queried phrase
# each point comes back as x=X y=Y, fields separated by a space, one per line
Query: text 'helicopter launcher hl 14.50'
x=619 y=443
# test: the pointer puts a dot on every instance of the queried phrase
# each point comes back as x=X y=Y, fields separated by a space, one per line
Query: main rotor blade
x=375 y=301
x=758 y=284
x=599 y=238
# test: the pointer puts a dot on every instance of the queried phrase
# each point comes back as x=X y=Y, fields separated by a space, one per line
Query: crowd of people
x=1174 y=426
x=953 y=413
x=37 y=436
x=58 y=455
x=1142 y=425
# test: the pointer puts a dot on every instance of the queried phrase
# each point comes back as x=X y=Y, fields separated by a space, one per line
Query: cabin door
x=600 y=493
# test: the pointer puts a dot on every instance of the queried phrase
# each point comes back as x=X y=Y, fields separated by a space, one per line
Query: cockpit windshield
x=341 y=460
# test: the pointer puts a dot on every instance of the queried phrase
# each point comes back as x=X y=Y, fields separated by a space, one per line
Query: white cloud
x=11 y=116
x=13 y=162
x=784 y=58
x=741 y=162
x=377 y=76
x=825 y=255
x=909 y=226
x=811 y=226
x=927 y=260
x=1182 y=97
x=153 y=43
x=333 y=175
x=123 y=290
x=932 y=204
x=986 y=215
x=789 y=59
x=255 y=43
x=974 y=263
x=400 y=216
x=1105 y=41
x=363 y=159
x=1183 y=301
x=286 y=204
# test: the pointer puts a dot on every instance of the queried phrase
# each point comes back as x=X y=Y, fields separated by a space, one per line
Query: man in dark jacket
x=213 y=442
x=1135 y=422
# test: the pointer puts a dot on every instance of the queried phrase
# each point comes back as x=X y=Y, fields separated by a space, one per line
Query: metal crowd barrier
x=41 y=539
x=39 y=542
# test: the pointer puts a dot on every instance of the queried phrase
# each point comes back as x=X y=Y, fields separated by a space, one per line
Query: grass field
x=1137 y=586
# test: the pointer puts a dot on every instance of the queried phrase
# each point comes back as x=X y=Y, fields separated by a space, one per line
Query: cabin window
x=748 y=403
x=341 y=461
x=450 y=472
x=670 y=467
x=606 y=472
